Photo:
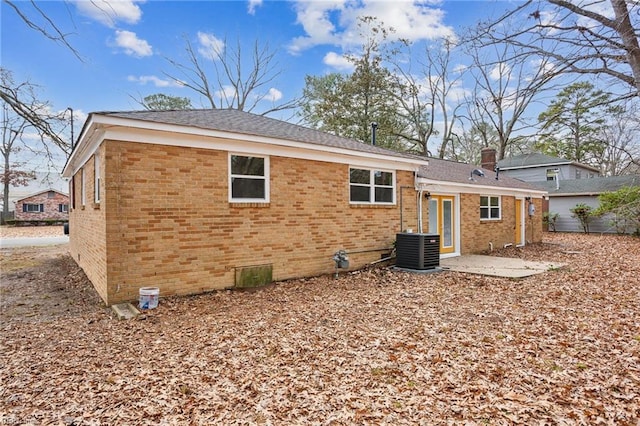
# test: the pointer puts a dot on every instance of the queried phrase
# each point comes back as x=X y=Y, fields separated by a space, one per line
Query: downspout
x=420 y=192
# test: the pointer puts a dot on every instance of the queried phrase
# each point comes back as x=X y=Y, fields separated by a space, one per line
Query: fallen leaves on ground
x=372 y=347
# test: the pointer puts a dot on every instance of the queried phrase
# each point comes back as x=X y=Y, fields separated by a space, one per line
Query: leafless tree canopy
x=233 y=79
x=36 y=19
x=22 y=100
x=577 y=37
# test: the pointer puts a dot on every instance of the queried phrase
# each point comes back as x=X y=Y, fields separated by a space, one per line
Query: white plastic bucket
x=149 y=297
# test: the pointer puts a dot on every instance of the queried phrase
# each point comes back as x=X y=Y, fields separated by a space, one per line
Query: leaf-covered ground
x=372 y=347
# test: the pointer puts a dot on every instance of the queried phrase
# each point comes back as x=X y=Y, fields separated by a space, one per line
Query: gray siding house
x=564 y=196
x=536 y=167
x=568 y=183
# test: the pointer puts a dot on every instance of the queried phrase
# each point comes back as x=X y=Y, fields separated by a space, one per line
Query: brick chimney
x=488 y=158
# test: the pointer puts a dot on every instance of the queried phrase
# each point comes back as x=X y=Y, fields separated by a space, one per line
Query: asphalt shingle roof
x=532 y=160
x=236 y=121
x=596 y=185
x=453 y=171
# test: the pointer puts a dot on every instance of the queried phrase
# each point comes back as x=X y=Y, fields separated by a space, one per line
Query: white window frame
x=83 y=190
x=72 y=190
x=489 y=207
x=63 y=208
x=96 y=178
x=372 y=186
x=266 y=179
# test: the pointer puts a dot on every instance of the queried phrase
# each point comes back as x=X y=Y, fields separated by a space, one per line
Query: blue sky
x=124 y=44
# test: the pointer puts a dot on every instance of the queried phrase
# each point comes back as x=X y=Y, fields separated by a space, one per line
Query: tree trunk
x=628 y=36
x=5 y=193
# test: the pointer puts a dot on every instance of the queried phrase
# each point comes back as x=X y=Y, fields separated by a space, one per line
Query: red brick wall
x=50 y=205
x=167 y=222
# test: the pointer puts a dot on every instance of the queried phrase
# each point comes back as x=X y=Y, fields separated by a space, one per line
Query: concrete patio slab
x=497 y=266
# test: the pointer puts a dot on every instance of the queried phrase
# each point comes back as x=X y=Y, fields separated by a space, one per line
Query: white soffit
x=434 y=186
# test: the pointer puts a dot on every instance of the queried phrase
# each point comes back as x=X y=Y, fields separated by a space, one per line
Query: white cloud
x=273 y=95
x=132 y=45
x=459 y=69
x=337 y=61
x=211 y=47
x=500 y=71
x=110 y=12
x=152 y=79
x=336 y=22
x=253 y=4
x=226 y=93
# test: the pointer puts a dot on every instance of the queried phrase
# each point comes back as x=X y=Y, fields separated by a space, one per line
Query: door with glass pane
x=441 y=221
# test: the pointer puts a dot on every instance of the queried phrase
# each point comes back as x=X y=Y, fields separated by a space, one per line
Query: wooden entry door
x=519 y=218
x=442 y=221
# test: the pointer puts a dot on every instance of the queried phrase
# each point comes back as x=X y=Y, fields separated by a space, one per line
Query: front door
x=442 y=221
x=519 y=217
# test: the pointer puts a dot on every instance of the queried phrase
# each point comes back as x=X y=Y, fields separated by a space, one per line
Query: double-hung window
x=489 y=207
x=248 y=178
x=368 y=186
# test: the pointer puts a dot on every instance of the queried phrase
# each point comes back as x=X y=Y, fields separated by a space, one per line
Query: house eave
x=457 y=187
x=121 y=129
x=555 y=163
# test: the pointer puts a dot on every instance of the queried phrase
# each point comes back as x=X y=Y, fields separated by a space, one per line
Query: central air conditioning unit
x=417 y=251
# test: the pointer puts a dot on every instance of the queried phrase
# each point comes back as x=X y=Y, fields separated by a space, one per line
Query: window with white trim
x=369 y=186
x=248 y=178
x=490 y=207
x=63 y=208
x=83 y=189
x=96 y=178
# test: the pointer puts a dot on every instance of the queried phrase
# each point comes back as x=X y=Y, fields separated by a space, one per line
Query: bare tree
x=22 y=100
x=35 y=18
x=507 y=82
x=427 y=94
x=621 y=136
x=579 y=37
x=12 y=173
x=234 y=80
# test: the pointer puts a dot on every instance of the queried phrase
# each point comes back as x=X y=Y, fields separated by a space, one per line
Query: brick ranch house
x=188 y=201
x=50 y=205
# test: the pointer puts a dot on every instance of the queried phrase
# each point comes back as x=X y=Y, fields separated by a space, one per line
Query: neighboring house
x=537 y=167
x=565 y=195
x=42 y=181
x=44 y=205
x=568 y=183
x=198 y=200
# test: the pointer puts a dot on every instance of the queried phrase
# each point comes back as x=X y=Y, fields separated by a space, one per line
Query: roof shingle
x=596 y=185
x=453 y=171
x=235 y=121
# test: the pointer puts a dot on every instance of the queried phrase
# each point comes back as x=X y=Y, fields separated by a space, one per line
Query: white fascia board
x=164 y=134
x=84 y=150
x=577 y=194
x=436 y=186
x=532 y=166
